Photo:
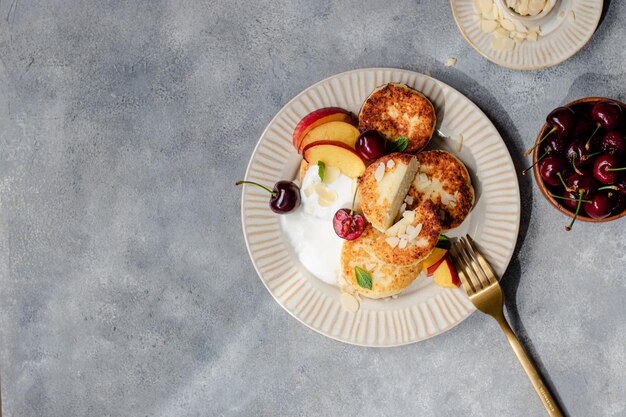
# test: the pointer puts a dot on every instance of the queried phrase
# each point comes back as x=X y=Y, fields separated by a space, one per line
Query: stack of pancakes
x=408 y=199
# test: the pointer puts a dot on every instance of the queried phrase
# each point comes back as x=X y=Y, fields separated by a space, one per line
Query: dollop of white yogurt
x=310 y=227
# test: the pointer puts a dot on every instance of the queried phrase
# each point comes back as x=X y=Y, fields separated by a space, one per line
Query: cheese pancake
x=396 y=110
x=383 y=187
x=444 y=180
x=387 y=279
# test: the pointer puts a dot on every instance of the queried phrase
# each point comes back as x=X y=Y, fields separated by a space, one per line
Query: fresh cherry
x=348 y=225
x=370 y=145
x=607 y=114
x=562 y=120
x=285 y=197
x=556 y=144
x=585 y=183
x=614 y=142
x=551 y=169
x=599 y=207
x=578 y=155
x=606 y=169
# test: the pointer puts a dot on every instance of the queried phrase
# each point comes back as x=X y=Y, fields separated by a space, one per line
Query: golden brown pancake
x=387 y=279
x=444 y=180
x=396 y=110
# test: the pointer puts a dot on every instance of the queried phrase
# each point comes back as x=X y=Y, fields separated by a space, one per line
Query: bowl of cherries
x=579 y=159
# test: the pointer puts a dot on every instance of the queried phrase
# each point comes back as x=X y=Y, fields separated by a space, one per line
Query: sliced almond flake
x=325 y=193
x=393 y=230
x=402 y=244
x=508 y=25
x=380 y=172
x=519 y=26
x=391 y=164
x=562 y=14
x=409 y=200
x=331 y=174
x=404 y=236
x=416 y=232
x=349 y=302
x=501 y=33
x=409 y=215
x=410 y=229
x=452 y=203
x=495 y=11
x=571 y=15
x=402 y=229
x=503 y=44
x=392 y=241
x=451 y=62
x=532 y=36
x=488 y=26
x=308 y=191
x=324 y=202
x=403 y=208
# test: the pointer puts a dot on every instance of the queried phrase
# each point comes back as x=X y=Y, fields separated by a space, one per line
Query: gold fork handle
x=544 y=394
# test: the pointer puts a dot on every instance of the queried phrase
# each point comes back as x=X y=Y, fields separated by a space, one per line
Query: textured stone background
x=125 y=285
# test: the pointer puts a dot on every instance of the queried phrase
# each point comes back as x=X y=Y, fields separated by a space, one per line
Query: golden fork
x=483 y=289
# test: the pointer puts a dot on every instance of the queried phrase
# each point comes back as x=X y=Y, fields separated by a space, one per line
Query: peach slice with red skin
x=433 y=261
x=317 y=118
x=335 y=154
x=336 y=131
x=445 y=275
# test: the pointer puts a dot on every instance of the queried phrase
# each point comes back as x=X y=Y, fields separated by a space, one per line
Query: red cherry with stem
x=551 y=168
x=347 y=224
x=569 y=199
x=607 y=114
x=577 y=183
x=578 y=205
x=561 y=120
x=285 y=197
x=599 y=207
x=370 y=145
x=606 y=170
x=614 y=142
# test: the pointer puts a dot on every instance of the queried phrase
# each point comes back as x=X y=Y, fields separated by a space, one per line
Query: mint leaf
x=444 y=242
x=363 y=278
x=322 y=169
x=398 y=145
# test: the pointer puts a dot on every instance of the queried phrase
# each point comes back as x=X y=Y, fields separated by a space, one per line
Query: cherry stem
x=354 y=198
x=608 y=187
x=591 y=155
x=558 y=174
x=538 y=160
x=257 y=184
x=580 y=200
x=567 y=198
x=591 y=137
x=528 y=151
x=574 y=164
x=616 y=169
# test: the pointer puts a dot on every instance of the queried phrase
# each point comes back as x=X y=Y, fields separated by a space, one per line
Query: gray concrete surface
x=125 y=285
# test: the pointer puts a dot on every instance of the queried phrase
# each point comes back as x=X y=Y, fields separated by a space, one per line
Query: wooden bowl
x=544 y=189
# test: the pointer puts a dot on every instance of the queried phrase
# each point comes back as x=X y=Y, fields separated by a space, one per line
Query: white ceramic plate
x=424 y=309
x=562 y=37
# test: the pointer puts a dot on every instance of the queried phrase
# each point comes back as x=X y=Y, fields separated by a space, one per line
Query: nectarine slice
x=335 y=154
x=336 y=131
x=433 y=261
x=317 y=118
x=445 y=276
